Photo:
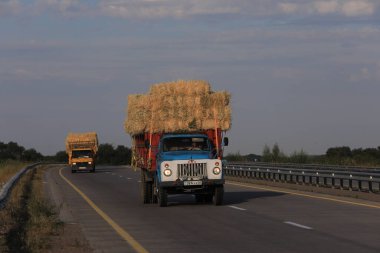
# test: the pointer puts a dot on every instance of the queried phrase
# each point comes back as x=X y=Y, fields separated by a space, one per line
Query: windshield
x=82 y=154
x=185 y=143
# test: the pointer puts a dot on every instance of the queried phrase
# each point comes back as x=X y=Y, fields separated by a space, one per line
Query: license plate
x=188 y=183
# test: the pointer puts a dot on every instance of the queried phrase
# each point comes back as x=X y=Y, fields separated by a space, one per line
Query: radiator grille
x=192 y=170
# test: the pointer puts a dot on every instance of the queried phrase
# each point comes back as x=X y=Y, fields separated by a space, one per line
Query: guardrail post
x=346 y=184
x=364 y=185
x=307 y=179
x=337 y=183
x=354 y=185
x=375 y=187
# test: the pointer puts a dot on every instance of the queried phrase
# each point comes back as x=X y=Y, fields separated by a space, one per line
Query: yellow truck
x=81 y=149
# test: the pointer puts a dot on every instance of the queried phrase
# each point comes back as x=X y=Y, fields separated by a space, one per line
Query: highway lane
x=251 y=220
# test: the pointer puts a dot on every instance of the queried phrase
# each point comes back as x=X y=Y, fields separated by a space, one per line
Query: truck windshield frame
x=192 y=143
x=82 y=154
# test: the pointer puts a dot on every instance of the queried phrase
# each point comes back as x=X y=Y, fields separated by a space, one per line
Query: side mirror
x=225 y=141
x=147 y=144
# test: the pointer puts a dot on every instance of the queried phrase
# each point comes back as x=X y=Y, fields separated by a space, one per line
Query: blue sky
x=304 y=74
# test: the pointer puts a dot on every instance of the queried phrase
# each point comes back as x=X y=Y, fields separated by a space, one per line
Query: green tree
x=105 y=154
x=31 y=155
x=61 y=157
x=267 y=155
x=275 y=153
x=122 y=155
x=299 y=157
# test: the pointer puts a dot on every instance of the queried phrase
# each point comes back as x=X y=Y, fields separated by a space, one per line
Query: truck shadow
x=233 y=198
x=230 y=198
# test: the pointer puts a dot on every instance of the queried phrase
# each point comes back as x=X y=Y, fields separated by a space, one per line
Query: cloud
x=151 y=9
x=288 y=8
x=358 y=8
x=9 y=7
x=184 y=9
x=348 y=8
x=62 y=6
x=326 y=7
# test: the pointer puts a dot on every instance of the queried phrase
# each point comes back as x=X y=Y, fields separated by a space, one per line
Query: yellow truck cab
x=81 y=149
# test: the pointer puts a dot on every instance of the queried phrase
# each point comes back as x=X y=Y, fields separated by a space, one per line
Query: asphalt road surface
x=107 y=205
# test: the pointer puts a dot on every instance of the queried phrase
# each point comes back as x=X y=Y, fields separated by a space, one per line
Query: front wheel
x=218 y=195
x=163 y=197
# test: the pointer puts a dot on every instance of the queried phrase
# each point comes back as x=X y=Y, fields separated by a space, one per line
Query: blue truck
x=180 y=163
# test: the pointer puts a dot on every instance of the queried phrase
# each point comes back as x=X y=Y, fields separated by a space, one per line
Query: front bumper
x=178 y=184
x=82 y=166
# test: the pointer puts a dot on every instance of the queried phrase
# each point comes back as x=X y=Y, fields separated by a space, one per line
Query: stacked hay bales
x=178 y=106
x=89 y=139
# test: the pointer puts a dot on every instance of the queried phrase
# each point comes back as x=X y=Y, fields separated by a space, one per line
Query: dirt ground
x=70 y=240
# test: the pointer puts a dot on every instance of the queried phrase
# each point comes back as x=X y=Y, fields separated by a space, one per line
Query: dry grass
x=28 y=221
x=8 y=169
x=178 y=106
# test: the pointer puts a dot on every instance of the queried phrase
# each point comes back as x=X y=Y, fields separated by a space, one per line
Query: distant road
x=251 y=219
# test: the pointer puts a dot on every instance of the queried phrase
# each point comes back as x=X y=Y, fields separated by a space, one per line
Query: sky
x=302 y=74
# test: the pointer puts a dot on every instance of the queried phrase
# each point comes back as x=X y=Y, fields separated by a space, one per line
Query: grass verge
x=28 y=221
x=8 y=169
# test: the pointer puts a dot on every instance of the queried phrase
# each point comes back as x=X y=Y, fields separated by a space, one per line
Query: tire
x=73 y=171
x=146 y=190
x=162 y=197
x=199 y=198
x=154 y=194
x=208 y=198
x=218 y=195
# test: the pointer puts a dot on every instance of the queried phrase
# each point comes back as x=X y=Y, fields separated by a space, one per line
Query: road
x=252 y=219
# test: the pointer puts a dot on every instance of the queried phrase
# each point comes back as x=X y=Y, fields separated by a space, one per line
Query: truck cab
x=82 y=159
x=188 y=163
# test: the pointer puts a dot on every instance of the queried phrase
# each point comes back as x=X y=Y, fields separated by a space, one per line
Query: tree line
x=107 y=154
x=13 y=151
x=121 y=155
x=342 y=155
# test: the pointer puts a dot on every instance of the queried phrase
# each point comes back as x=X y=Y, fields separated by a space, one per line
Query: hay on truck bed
x=178 y=106
x=89 y=139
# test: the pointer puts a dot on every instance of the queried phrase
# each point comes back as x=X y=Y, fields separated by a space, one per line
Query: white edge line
x=238 y=208
x=297 y=225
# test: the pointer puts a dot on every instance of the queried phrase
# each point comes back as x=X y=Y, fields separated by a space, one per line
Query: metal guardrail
x=344 y=178
x=6 y=189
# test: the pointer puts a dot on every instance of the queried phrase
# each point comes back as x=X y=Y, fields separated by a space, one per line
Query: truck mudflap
x=192 y=184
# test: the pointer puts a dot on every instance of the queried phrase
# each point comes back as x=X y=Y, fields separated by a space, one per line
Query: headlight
x=74 y=163
x=168 y=172
x=89 y=162
x=216 y=170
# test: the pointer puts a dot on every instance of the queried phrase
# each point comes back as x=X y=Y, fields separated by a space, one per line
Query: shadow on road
x=233 y=198
x=230 y=198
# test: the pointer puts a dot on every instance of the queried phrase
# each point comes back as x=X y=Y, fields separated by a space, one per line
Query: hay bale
x=89 y=138
x=178 y=106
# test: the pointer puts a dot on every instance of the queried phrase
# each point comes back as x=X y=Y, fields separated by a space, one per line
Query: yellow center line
x=124 y=234
x=306 y=195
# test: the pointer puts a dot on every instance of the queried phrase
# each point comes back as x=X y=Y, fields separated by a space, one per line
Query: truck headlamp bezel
x=168 y=172
x=216 y=171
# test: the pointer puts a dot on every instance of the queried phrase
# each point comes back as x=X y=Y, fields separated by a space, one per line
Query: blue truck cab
x=188 y=164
